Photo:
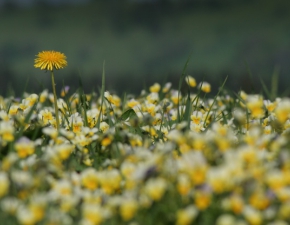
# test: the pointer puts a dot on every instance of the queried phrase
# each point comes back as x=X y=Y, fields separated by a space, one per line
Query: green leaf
x=130 y=113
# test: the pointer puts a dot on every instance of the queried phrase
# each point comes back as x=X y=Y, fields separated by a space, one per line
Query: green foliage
x=163 y=157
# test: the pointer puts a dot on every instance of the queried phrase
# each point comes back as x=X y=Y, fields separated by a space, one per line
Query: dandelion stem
x=55 y=101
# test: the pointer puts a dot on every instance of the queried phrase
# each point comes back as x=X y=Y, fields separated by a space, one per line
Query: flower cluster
x=162 y=157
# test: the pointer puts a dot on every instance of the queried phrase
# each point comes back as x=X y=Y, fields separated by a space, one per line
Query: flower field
x=164 y=157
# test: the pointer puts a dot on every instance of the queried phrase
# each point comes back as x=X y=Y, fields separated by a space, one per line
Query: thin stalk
x=102 y=96
x=179 y=87
x=275 y=82
x=214 y=100
x=55 y=101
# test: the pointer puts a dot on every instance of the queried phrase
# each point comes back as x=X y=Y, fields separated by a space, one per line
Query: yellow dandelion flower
x=259 y=200
x=49 y=60
x=236 y=204
x=284 y=211
x=92 y=214
x=132 y=103
x=155 y=88
x=183 y=184
x=106 y=141
x=4 y=184
x=190 y=81
x=128 y=209
x=166 y=87
x=155 y=188
x=186 y=216
x=202 y=200
x=24 y=147
x=90 y=179
x=226 y=219
x=110 y=181
x=205 y=87
x=253 y=216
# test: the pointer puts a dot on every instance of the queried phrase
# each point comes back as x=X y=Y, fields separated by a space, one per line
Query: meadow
x=166 y=156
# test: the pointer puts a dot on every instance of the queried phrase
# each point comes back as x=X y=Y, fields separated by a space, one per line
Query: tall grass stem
x=55 y=100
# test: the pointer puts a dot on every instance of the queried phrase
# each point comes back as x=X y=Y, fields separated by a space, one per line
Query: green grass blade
x=188 y=109
x=180 y=85
x=83 y=101
x=275 y=83
x=102 y=96
x=250 y=75
x=265 y=89
x=26 y=84
x=214 y=100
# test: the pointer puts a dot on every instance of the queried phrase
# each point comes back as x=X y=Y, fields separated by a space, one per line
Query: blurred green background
x=143 y=42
